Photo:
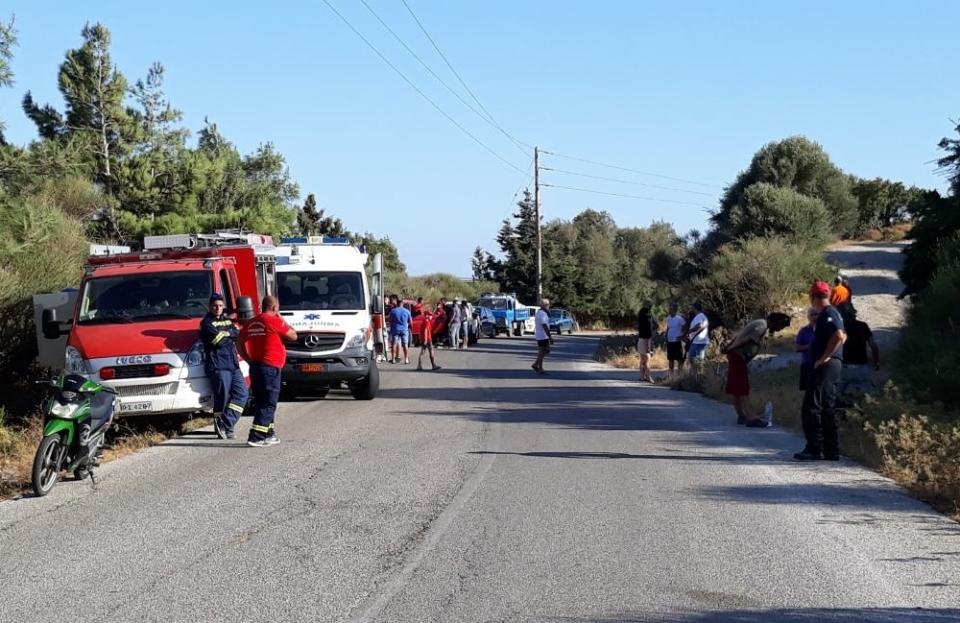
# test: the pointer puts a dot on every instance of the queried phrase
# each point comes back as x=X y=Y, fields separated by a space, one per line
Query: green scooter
x=76 y=421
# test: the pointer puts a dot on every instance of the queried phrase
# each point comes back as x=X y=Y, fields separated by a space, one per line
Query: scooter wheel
x=47 y=464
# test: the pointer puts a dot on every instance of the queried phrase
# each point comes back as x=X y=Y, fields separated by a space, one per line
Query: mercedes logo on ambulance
x=311 y=340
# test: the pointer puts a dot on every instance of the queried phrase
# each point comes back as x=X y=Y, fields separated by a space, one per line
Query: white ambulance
x=325 y=296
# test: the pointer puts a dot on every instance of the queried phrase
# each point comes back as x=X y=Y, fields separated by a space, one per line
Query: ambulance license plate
x=134 y=407
x=313 y=367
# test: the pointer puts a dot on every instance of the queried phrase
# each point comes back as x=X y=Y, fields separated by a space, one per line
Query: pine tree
x=312 y=222
x=518 y=242
x=94 y=90
x=8 y=39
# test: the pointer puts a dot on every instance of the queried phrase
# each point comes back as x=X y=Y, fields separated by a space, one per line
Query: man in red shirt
x=262 y=340
x=426 y=341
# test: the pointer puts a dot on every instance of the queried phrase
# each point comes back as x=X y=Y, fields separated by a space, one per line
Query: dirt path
x=872 y=270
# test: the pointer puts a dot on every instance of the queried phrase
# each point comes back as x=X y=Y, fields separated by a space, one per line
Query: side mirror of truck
x=245 y=308
x=51 y=327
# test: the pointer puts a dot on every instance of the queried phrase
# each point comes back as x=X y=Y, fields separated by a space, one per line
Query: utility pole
x=536 y=203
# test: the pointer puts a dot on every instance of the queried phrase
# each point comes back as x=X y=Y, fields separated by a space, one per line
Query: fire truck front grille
x=320 y=341
x=133 y=372
x=138 y=391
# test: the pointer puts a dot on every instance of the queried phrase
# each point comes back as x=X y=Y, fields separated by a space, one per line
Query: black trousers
x=265 y=383
x=819 y=403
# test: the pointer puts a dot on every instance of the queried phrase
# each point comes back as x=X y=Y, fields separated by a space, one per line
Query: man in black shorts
x=676 y=329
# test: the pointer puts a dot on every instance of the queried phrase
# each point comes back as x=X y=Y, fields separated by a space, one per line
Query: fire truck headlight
x=74 y=363
x=195 y=356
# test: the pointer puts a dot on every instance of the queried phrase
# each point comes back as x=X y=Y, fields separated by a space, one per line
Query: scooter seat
x=101 y=409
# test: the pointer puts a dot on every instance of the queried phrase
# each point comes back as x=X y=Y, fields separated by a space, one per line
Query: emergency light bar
x=192 y=241
x=107 y=249
x=315 y=240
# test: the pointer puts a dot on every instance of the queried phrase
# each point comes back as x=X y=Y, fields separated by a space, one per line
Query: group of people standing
x=259 y=342
x=687 y=337
x=445 y=321
x=839 y=355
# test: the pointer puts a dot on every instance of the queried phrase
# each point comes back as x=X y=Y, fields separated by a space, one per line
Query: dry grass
x=917 y=446
x=895 y=233
x=620 y=351
x=18 y=444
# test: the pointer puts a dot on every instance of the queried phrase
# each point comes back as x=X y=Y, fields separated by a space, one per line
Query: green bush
x=770 y=211
x=41 y=250
x=927 y=360
x=918 y=445
x=434 y=286
x=750 y=279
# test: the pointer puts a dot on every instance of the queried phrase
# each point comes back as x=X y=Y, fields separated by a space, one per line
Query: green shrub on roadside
x=436 y=285
x=927 y=360
x=768 y=211
x=918 y=445
x=42 y=249
x=752 y=278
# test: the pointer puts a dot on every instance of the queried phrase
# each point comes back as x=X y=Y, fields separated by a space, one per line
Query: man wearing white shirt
x=542 y=333
x=699 y=335
x=675 y=333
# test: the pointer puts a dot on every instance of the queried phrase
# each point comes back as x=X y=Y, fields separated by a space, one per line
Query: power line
x=632 y=183
x=436 y=47
x=600 y=192
x=434 y=74
x=419 y=92
x=614 y=166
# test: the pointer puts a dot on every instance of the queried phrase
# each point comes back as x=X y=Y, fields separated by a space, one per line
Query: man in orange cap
x=826 y=353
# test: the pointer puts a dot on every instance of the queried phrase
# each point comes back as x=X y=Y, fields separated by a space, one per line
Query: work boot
x=219 y=426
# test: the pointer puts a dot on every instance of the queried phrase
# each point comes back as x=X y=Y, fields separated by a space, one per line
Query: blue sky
x=686 y=90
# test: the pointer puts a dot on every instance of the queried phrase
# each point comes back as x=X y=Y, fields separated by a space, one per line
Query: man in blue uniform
x=219 y=334
x=819 y=401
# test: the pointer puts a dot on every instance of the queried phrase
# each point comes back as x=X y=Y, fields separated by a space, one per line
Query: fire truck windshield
x=143 y=296
x=320 y=290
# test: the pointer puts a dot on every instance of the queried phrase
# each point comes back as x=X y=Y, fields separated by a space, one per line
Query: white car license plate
x=133 y=407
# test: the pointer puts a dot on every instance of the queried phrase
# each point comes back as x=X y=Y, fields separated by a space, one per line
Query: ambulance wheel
x=367 y=387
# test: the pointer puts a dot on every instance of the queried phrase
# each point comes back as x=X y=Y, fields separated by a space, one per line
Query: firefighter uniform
x=263 y=343
x=219 y=335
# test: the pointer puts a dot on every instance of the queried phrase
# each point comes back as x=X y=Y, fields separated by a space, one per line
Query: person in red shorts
x=262 y=340
x=426 y=341
x=740 y=351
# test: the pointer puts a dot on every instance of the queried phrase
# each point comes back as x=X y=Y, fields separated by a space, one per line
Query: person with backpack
x=740 y=352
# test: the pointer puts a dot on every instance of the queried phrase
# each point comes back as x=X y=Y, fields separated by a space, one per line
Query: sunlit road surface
x=484 y=492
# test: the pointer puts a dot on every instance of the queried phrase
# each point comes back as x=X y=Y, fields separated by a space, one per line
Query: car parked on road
x=562 y=321
x=486 y=321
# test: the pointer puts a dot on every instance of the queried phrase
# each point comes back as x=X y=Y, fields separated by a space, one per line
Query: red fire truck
x=135 y=322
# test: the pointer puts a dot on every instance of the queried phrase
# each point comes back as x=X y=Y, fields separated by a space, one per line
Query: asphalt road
x=484 y=493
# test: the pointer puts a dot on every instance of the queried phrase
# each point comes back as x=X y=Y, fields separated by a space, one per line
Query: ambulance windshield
x=320 y=290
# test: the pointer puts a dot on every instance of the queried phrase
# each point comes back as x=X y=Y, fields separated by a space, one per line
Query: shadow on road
x=799 y=615
x=645 y=457
x=840 y=496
